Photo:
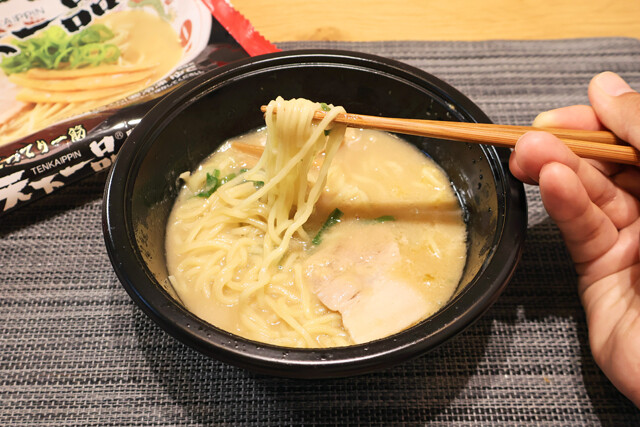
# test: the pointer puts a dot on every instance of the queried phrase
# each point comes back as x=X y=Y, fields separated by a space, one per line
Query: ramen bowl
x=192 y=122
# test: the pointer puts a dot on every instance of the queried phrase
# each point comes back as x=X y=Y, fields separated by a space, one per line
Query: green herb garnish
x=325 y=107
x=385 y=218
x=211 y=185
x=214 y=182
x=53 y=49
x=333 y=219
x=227 y=178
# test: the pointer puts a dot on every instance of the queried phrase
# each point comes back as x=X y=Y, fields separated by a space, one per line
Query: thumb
x=617 y=106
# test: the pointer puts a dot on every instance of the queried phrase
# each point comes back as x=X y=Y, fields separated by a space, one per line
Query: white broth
x=394 y=258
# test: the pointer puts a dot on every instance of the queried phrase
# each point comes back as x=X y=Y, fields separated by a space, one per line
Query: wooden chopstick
x=598 y=145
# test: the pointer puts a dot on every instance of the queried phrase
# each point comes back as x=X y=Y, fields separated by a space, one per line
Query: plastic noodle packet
x=77 y=76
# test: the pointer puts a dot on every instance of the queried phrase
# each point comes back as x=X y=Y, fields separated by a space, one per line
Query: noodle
x=384 y=245
x=253 y=270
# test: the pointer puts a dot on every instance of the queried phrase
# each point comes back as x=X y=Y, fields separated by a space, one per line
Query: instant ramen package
x=76 y=76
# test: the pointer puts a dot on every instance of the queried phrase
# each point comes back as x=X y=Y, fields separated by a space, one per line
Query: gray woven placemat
x=74 y=349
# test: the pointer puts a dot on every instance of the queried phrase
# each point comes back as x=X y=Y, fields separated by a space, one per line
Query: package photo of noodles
x=76 y=76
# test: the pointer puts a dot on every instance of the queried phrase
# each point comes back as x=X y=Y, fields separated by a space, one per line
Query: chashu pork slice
x=352 y=272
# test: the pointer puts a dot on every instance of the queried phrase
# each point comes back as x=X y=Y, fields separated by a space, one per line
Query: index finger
x=576 y=117
x=573 y=117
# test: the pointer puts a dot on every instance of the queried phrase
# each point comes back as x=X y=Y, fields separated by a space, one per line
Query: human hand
x=597 y=209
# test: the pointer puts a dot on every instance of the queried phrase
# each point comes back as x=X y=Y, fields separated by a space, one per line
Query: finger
x=623 y=254
x=576 y=117
x=573 y=117
x=617 y=106
x=628 y=179
x=587 y=230
x=536 y=149
x=606 y=168
x=518 y=172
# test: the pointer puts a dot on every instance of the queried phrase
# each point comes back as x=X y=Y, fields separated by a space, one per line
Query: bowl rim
x=282 y=361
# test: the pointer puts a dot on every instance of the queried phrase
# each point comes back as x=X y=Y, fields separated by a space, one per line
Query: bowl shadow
x=209 y=391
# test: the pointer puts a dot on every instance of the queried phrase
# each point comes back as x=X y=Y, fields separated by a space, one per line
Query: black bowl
x=192 y=121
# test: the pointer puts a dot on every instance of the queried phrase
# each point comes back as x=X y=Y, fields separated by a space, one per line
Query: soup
x=369 y=241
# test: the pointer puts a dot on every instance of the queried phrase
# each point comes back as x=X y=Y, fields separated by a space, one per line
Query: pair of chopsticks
x=597 y=145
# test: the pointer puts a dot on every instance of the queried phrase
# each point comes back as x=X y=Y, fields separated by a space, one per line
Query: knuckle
x=628 y=113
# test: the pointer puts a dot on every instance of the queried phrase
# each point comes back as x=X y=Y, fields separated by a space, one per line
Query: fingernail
x=611 y=83
x=543 y=120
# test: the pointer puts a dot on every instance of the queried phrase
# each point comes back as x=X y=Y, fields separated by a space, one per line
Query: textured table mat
x=75 y=350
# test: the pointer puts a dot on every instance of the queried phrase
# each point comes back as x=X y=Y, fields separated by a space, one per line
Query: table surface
x=75 y=350
x=368 y=20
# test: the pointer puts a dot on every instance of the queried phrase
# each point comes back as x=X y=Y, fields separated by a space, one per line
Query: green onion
x=385 y=218
x=205 y=194
x=333 y=219
x=325 y=107
x=211 y=185
x=53 y=49
x=227 y=178
x=214 y=182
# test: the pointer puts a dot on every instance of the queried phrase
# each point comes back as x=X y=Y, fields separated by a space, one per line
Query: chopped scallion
x=332 y=220
x=227 y=178
x=53 y=48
